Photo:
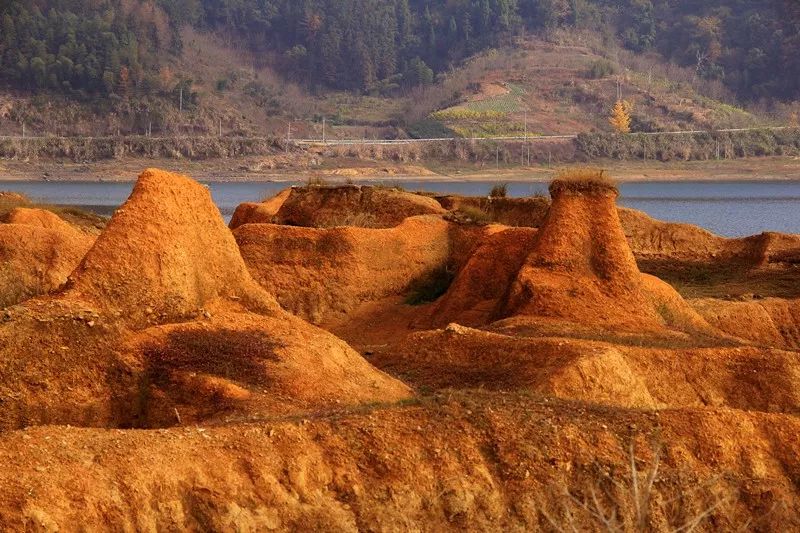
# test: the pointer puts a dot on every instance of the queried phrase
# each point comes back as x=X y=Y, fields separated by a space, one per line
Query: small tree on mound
x=499 y=191
x=621 y=116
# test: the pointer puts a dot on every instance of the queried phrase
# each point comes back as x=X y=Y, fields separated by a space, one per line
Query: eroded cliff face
x=469 y=376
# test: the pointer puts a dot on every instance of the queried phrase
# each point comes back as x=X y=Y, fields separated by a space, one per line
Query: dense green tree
x=82 y=46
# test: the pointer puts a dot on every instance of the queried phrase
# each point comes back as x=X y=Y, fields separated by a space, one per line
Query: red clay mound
x=13 y=198
x=243 y=366
x=581 y=268
x=166 y=252
x=769 y=322
x=481 y=284
x=353 y=205
x=259 y=213
x=577 y=270
x=627 y=376
x=166 y=257
x=38 y=251
x=652 y=239
x=37 y=217
x=324 y=274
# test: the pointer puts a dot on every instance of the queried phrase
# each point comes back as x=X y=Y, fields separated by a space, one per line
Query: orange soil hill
x=769 y=322
x=353 y=205
x=465 y=460
x=483 y=281
x=38 y=250
x=146 y=322
x=576 y=270
x=652 y=239
x=626 y=375
x=324 y=274
x=166 y=252
x=259 y=213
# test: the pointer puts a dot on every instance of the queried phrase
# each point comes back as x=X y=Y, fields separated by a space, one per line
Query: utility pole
x=23 y=130
x=220 y=127
x=180 y=108
x=526 y=125
x=323 y=130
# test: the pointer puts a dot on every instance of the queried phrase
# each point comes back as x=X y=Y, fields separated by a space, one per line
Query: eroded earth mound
x=38 y=250
x=325 y=274
x=144 y=325
x=522 y=368
x=352 y=205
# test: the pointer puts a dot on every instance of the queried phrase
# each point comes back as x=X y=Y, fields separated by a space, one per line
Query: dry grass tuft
x=582 y=180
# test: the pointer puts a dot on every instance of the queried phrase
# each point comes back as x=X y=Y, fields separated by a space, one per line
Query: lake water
x=732 y=209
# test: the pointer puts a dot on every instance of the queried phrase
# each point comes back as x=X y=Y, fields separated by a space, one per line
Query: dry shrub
x=499 y=191
x=636 y=503
x=316 y=181
x=474 y=214
x=232 y=354
x=582 y=180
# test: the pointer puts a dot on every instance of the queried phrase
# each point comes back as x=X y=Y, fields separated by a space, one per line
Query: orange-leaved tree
x=621 y=116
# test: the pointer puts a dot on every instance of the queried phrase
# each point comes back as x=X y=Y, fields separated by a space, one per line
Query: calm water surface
x=733 y=209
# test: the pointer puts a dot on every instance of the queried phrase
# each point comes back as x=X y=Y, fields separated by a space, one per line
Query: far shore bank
x=250 y=170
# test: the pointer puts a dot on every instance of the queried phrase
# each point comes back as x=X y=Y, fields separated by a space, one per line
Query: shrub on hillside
x=602 y=68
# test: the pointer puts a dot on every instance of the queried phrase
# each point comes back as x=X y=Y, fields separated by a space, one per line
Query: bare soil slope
x=323 y=274
x=353 y=205
x=38 y=251
x=767 y=322
x=576 y=270
x=86 y=356
x=587 y=383
x=463 y=461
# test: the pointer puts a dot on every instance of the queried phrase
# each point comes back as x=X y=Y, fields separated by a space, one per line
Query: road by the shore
x=252 y=170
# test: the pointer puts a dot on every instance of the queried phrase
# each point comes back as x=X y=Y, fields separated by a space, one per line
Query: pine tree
x=621 y=116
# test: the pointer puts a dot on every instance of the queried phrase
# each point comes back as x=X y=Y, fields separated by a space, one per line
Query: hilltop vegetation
x=370 y=45
x=390 y=68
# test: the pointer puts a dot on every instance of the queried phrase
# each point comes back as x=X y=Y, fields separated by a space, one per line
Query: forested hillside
x=118 y=47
